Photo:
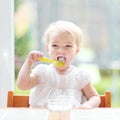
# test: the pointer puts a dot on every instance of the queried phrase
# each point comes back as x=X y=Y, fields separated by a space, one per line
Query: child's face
x=62 y=47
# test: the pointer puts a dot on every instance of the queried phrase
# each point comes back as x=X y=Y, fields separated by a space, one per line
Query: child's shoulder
x=81 y=72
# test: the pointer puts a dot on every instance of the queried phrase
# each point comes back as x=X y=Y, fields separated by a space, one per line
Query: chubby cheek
x=73 y=54
x=70 y=58
x=52 y=53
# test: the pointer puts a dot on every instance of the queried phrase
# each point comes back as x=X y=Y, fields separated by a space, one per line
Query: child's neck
x=64 y=71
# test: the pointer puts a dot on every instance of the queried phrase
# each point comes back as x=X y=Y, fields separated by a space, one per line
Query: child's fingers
x=40 y=54
x=34 y=55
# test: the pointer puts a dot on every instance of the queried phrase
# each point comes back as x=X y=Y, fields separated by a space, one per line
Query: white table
x=96 y=114
x=23 y=114
x=75 y=114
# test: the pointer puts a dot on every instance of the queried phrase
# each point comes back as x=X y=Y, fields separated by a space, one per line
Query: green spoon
x=48 y=60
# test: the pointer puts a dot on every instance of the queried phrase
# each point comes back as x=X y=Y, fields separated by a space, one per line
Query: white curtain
x=6 y=49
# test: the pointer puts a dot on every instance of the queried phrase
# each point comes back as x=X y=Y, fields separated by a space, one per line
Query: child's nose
x=61 y=49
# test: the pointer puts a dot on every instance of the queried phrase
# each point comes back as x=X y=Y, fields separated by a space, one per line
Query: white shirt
x=51 y=84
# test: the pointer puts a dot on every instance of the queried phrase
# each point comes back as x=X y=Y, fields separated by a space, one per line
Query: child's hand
x=34 y=55
x=84 y=107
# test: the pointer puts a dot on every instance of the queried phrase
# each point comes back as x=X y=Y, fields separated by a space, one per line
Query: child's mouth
x=61 y=59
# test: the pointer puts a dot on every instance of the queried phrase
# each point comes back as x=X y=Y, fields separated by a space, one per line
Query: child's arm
x=25 y=80
x=92 y=96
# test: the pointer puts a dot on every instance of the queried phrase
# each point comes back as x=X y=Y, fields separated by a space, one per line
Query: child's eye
x=55 y=46
x=68 y=46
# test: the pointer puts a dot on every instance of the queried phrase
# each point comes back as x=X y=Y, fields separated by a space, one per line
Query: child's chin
x=60 y=67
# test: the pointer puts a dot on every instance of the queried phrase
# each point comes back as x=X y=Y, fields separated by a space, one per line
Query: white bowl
x=61 y=103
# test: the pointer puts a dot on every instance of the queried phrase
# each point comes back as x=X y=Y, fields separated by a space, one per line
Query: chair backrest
x=23 y=100
x=105 y=99
x=15 y=100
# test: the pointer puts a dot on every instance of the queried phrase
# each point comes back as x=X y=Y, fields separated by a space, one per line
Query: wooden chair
x=14 y=100
x=23 y=100
x=105 y=99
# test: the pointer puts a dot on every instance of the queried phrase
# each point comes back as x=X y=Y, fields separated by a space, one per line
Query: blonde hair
x=65 y=26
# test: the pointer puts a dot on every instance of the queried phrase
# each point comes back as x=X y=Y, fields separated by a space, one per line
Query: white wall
x=6 y=49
